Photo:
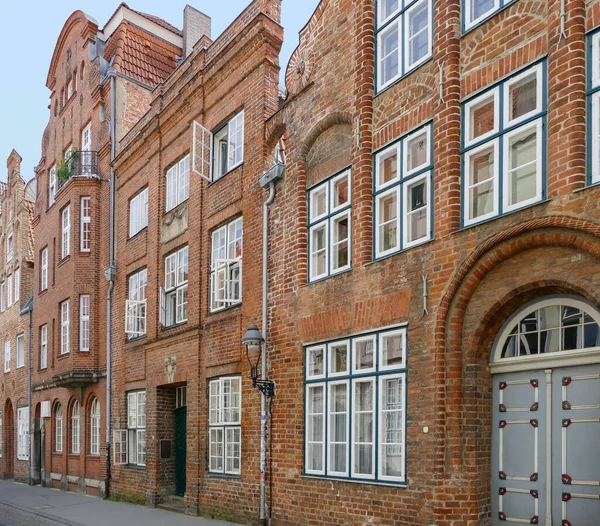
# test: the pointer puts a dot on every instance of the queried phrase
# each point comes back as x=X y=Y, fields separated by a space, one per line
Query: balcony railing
x=78 y=163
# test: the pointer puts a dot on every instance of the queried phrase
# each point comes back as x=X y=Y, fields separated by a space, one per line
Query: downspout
x=110 y=274
x=29 y=365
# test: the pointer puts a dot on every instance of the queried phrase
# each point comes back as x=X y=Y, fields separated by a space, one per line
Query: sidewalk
x=80 y=510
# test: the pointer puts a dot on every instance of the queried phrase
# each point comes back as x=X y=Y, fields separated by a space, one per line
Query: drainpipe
x=111 y=271
x=268 y=180
x=29 y=364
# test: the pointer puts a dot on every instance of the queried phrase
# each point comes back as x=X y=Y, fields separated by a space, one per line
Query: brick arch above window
x=330 y=153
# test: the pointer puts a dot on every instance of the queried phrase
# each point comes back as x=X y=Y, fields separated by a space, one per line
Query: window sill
x=6 y=372
x=466 y=31
x=85 y=253
x=63 y=356
x=403 y=251
x=221 y=177
x=134 y=467
x=63 y=261
x=357 y=481
x=138 y=338
x=93 y=456
x=143 y=230
x=379 y=91
x=588 y=186
x=330 y=276
x=42 y=292
x=499 y=216
x=166 y=213
x=174 y=326
x=225 y=309
x=224 y=476
x=58 y=453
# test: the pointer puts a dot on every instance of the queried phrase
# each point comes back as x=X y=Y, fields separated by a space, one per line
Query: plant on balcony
x=65 y=168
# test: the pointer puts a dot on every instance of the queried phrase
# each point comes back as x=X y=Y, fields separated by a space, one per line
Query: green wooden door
x=180 y=450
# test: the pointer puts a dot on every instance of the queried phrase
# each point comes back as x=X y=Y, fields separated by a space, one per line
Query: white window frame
x=136 y=428
x=176 y=285
x=17 y=285
x=426 y=177
x=355 y=342
x=310 y=351
x=381 y=336
x=323 y=442
x=95 y=427
x=66 y=231
x=84 y=322
x=224 y=421
x=468 y=121
x=538 y=72
x=594 y=106
x=23 y=433
x=231 y=128
x=136 y=304
x=353 y=443
x=400 y=19
x=382 y=20
x=468 y=23
x=20 y=351
x=2 y=296
x=76 y=428
x=138 y=212
x=382 y=432
x=44 y=346
x=330 y=414
x=64 y=328
x=177 y=181
x=44 y=270
x=86 y=224
x=52 y=186
x=330 y=358
x=9 y=291
x=7 y=353
x=58 y=429
x=467 y=201
x=9 y=247
x=86 y=138
x=225 y=263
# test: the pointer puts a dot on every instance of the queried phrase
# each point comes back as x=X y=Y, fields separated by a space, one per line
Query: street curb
x=41 y=514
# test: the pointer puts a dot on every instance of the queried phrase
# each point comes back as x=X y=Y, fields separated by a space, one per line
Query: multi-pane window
x=226 y=265
x=95 y=428
x=58 y=429
x=174 y=297
x=9 y=291
x=2 y=296
x=329 y=226
x=503 y=144
x=136 y=428
x=178 y=183
x=52 y=186
x=20 y=349
x=225 y=432
x=6 y=356
x=594 y=107
x=138 y=212
x=86 y=225
x=228 y=146
x=9 y=247
x=403 y=173
x=17 y=285
x=23 y=433
x=66 y=231
x=86 y=149
x=404 y=38
x=476 y=11
x=84 y=322
x=43 y=346
x=64 y=327
x=75 y=427
x=44 y=270
x=135 y=305
x=355 y=408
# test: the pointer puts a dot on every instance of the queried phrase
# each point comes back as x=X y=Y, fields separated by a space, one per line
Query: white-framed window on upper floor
x=503 y=146
x=138 y=212
x=174 y=295
x=23 y=433
x=85 y=235
x=58 y=428
x=7 y=356
x=178 y=183
x=593 y=103
x=17 y=284
x=64 y=327
x=44 y=269
x=9 y=291
x=330 y=226
x=477 y=11
x=2 y=296
x=86 y=150
x=403 y=193
x=84 y=323
x=228 y=146
x=355 y=408
x=9 y=247
x=225 y=431
x=135 y=305
x=95 y=427
x=404 y=38
x=44 y=347
x=66 y=231
x=226 y=265
x=52 y=186
x=70 y=87
x=75 y=428
x=20 y=350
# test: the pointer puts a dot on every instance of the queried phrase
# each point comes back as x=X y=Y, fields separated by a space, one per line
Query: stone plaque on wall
x=174 y=223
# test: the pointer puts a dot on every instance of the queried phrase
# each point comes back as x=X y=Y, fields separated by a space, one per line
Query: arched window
x=95 y=428
x=75 y=428
x=550 y=326
x=58 y=427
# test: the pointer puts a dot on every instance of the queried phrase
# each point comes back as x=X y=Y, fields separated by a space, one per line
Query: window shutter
x=120 y=447
x=202 y=151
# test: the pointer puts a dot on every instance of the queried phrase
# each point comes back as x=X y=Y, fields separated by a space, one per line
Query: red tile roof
x=141 y=55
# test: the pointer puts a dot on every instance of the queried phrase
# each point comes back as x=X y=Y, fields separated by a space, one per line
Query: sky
x=28 y=35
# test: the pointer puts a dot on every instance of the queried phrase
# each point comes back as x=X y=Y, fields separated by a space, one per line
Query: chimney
x=195 y=25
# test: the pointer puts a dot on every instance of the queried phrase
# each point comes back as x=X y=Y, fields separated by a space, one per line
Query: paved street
x=22 y=505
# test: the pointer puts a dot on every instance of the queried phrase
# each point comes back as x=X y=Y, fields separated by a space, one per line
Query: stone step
x=173 y=503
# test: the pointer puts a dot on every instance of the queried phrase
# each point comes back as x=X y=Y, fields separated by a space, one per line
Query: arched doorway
x=546 y=415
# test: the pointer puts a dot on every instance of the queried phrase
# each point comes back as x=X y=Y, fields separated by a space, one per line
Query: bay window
x=403 y=185
x=226 y=265
x=355 y=408
x=225 y=432
x=503 y=151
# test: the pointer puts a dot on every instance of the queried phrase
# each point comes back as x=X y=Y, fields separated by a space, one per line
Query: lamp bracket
x=266 y=387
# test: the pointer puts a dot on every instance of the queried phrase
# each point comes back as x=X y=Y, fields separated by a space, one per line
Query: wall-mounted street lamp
x=254 y=341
